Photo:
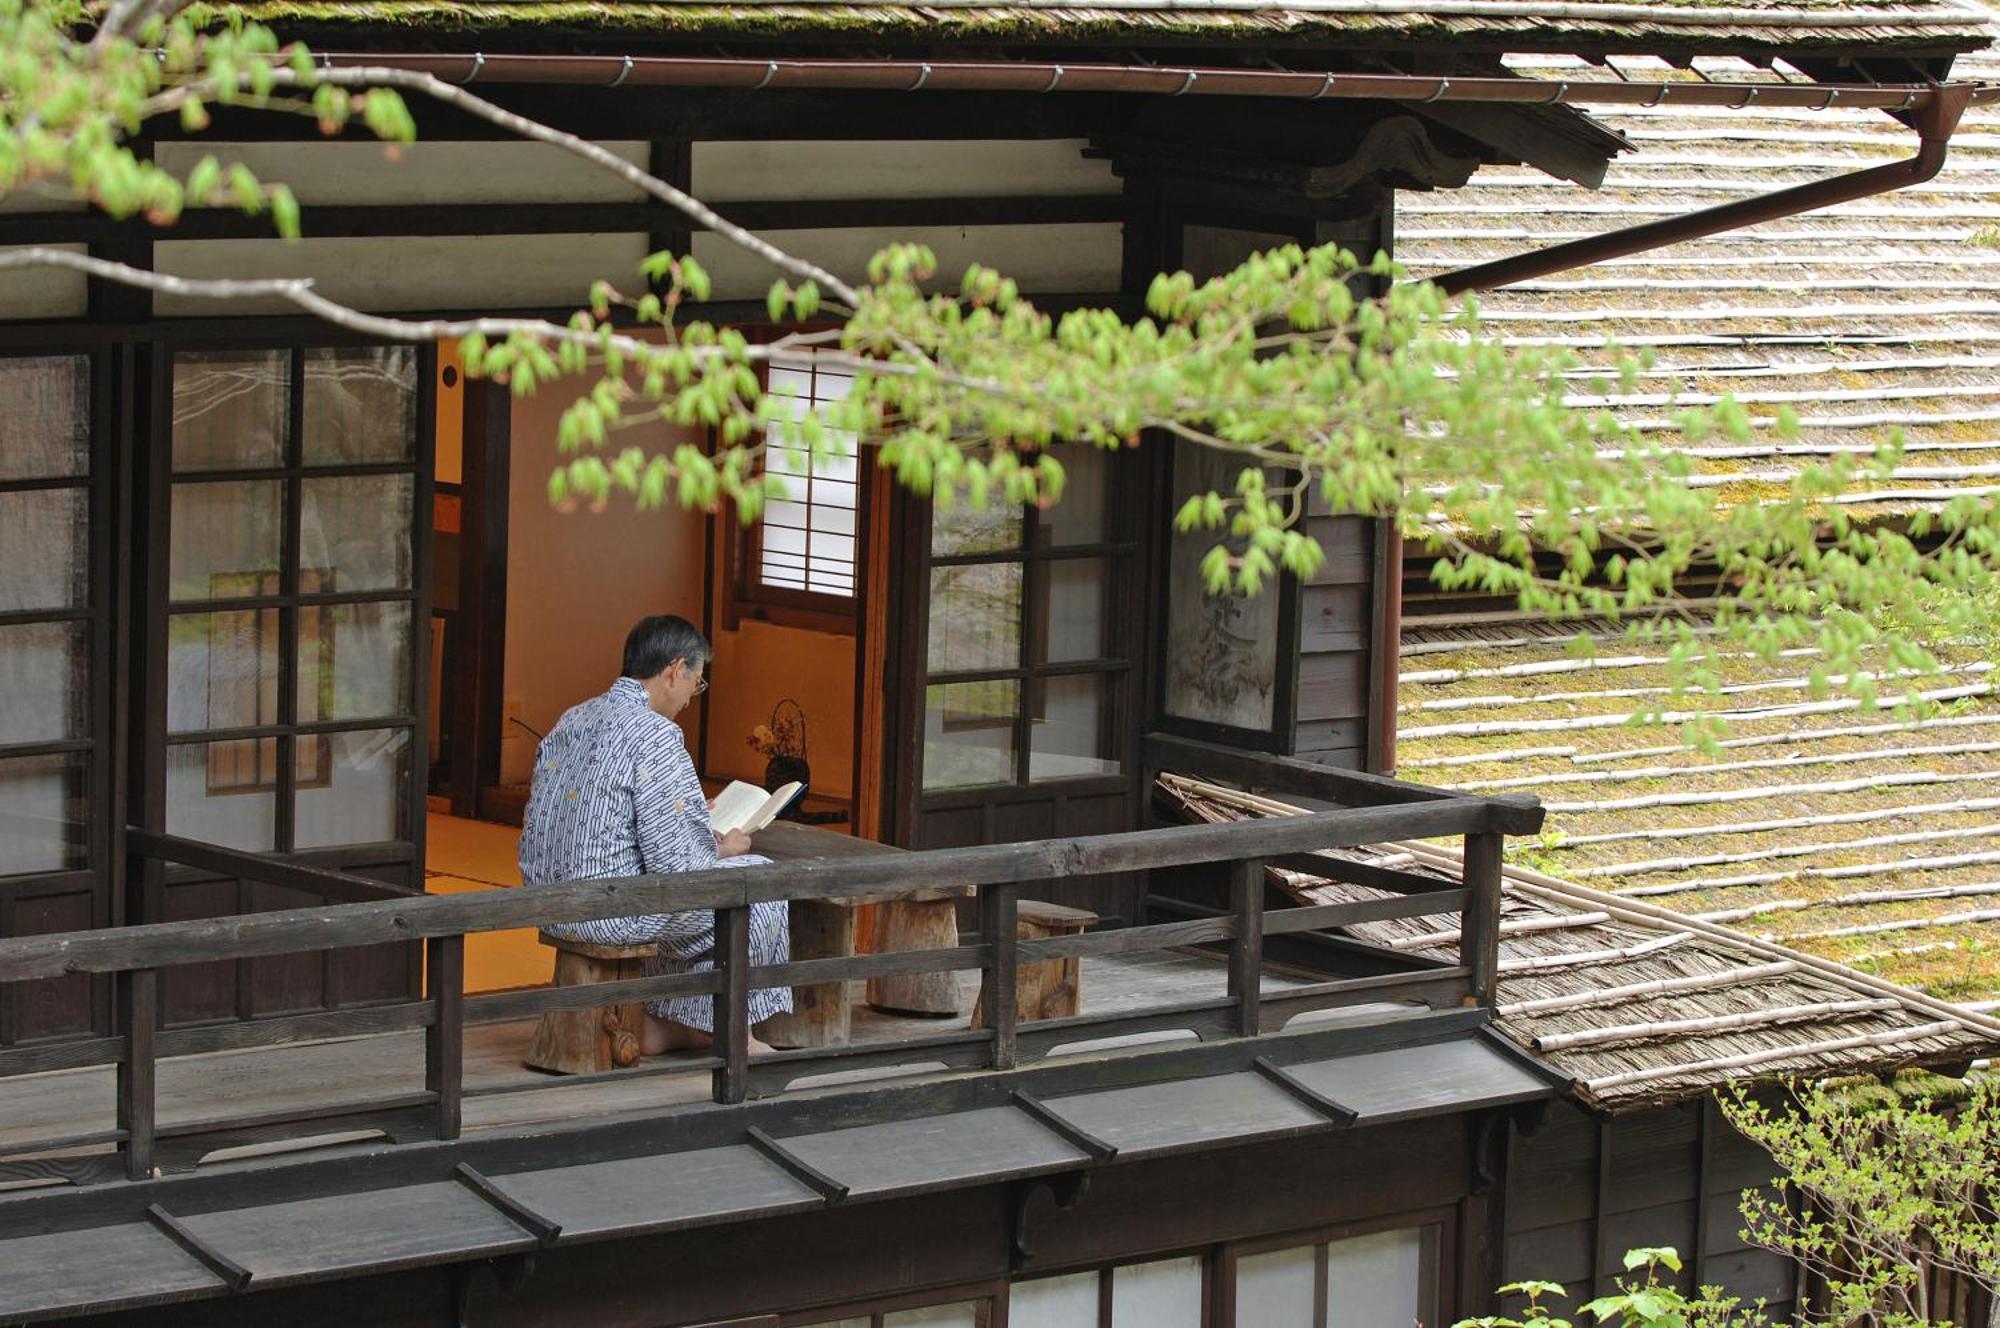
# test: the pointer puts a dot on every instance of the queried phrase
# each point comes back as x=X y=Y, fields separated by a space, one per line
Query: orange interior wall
x=758 y=665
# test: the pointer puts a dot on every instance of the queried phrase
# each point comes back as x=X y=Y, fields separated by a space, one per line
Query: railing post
x=1246 y=952
x=138 y=1015
x=998 y=905
x=1479 y=932
x=731 y=1036
x=444 y=1038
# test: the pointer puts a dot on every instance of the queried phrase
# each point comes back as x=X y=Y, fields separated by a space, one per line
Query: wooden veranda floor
x=499 y=1091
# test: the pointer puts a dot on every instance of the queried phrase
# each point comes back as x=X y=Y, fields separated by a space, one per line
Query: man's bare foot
x=664 y=1035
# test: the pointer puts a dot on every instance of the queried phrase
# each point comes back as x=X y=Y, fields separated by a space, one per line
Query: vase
x=780 y=770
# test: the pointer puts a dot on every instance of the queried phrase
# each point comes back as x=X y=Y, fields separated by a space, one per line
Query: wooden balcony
x=148 y=1098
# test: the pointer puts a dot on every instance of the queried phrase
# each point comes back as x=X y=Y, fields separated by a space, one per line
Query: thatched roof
x=1828 y=27
x=1825 y=823
x=1861 y=319
x=1642 y=1007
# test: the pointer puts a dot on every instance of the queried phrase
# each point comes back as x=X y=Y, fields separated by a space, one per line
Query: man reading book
x=615 y=794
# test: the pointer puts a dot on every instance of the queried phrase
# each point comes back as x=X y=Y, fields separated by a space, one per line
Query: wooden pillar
x=1479 y=936
x=138 y=1018
x=444 y=1039
x=482 y=596
x=1246 y=952
x=997 y=921
x=732 y=1004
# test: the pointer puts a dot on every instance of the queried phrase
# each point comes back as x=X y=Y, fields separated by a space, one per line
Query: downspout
x=1935 y=122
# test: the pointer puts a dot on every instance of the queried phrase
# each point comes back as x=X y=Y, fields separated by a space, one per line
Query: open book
x=748 y=808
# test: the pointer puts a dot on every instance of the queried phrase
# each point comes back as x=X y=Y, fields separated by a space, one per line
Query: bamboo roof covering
x=1638 y=1006
x=1857 y=320
x=1821 y=26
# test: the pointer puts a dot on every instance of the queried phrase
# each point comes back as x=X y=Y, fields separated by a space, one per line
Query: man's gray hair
x=659 y=640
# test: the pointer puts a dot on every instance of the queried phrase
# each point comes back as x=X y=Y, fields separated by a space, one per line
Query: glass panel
x=231 y=409
x=361 y=404
x=1375 y=1280
x=1222 y=650
x=222 y=670
x=44 y=672
x=975 y=617
x=960 y=528
x=355 y=532
x=864 y=1321
x=45 y=548
x=965 y=1314
x=1071 y=736
x=43 y=814
x=1275 y=1290
x=354 y=661
x=1074 y=627
x=44 y=417
x=224 y=792
x=224 y=541
x=1055 y=1302
x=360 y=791
x=1166 y=1294
x=1078 y=517
x=969 y=733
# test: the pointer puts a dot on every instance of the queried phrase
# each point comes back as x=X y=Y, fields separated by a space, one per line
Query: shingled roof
x=1639 y=1006
x=1825 y=823
x=1828 y=27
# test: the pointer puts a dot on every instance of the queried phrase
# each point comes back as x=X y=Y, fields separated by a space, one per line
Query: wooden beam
x=293 y=931
x=262 y=868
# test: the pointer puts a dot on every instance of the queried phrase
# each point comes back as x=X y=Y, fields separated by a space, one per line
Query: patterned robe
x=615 y=794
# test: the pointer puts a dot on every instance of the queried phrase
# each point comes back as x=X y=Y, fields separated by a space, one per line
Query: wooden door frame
x=475 y=693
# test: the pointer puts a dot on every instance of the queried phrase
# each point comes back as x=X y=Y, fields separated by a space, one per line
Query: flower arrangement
x=785 y=735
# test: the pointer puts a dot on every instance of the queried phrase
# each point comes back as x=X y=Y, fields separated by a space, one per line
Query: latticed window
x=802 y=554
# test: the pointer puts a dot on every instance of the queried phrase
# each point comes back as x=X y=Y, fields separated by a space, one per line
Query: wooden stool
x=1050 y=990
x=586 y=1041
x=820 y=1014
x=916 y=924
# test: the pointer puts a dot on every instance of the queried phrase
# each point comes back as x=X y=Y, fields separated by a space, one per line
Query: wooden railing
x=135 y=956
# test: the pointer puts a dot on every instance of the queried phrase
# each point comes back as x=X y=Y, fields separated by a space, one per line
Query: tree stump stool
x=586 y=1041
x=820 y=1014
x=1051 y=990
x=916 y=924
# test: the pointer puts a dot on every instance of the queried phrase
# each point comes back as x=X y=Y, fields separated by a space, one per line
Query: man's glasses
x=700 y=687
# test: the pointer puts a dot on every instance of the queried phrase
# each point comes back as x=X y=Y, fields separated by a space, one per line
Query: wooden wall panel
x=59 y=1006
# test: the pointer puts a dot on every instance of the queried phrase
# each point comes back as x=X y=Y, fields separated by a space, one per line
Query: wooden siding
x=1335 y=645
x=1584 y=1189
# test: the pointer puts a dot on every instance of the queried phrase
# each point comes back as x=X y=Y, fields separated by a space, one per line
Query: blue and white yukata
x=615 y=794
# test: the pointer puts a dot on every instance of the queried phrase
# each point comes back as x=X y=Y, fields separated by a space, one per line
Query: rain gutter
x=1935 y=119
x=751 y=74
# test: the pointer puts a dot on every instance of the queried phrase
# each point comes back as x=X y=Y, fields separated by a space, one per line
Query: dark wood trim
x=1600 y=1227
x=482 y=597
x=389 y=221
x=1385 y=606
x=260 y=868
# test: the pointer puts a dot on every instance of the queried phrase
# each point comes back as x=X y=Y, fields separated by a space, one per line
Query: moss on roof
x=1713 y=25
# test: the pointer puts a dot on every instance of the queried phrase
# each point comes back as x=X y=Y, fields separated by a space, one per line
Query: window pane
x=45 y=548
x=961 y=528
x=1071 y=736
x=360 y=791
x=224 y=542
x=224 y=792
x=1075 y=626
x=1166 y=1294
x=1055 y=1302
x=354 y=661
x=44 y=670
x=222 y=670
x=1222 y=650
x=43 y=814
x=1078 y=516
x=44 y=417
x=969 y=733
x=231 y=409
x=975 y=617
x=361 y=404
x=355 y=531
x=1275 y=1290
x=1375 y=1281
x=965 y=1314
